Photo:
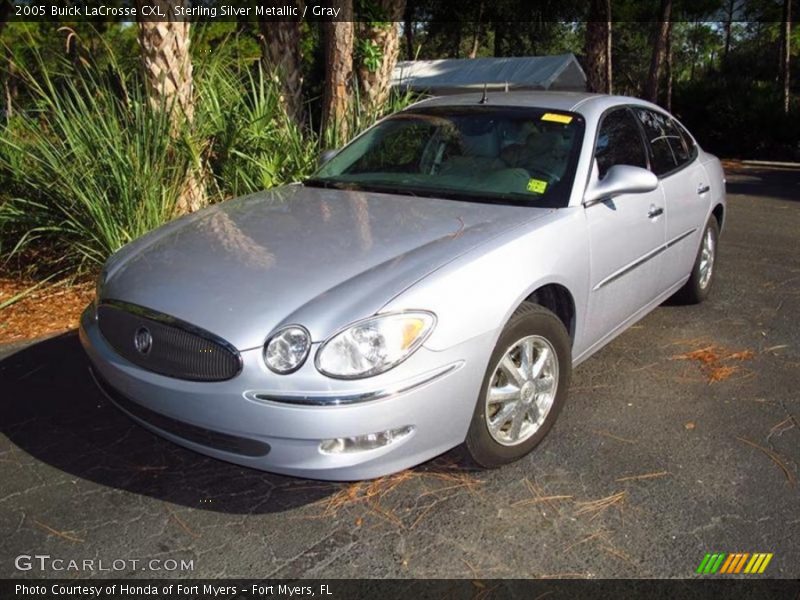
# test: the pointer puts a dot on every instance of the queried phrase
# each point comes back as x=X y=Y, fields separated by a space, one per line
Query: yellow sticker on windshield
x=566 y=119
x=537 y=186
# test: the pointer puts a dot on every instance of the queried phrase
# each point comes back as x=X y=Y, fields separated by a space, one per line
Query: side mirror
x=620 y=179
x=326 y=155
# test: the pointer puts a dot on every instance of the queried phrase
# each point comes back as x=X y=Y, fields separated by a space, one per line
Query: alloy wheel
x=707 y=258
x=522 y=390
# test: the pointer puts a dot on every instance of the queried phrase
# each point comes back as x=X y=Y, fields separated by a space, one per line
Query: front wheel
x=698 y=286
x=524 y=388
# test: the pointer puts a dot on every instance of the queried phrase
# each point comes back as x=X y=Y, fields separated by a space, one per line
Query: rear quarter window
x=666 y=141
x=691 y=147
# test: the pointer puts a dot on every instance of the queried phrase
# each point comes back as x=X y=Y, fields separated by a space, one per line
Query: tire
x=697 y=288
x=542 y=333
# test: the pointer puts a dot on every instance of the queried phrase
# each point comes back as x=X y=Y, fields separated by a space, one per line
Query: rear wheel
x=524 y=387
x=698 y=286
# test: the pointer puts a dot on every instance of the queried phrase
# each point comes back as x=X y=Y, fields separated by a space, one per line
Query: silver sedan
x=433 y=284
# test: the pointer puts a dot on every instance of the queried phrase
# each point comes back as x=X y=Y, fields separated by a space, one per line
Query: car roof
x=591 y=106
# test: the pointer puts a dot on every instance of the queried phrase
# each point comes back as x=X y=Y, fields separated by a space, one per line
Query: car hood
x=318 y=257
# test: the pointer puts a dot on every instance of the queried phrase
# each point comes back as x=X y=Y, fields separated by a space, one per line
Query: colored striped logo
x=731 y=564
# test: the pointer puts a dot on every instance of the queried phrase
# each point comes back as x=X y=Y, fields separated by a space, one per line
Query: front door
x=626 y=234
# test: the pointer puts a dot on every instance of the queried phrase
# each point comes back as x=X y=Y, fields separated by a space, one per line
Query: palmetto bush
x=94 y=166
x=250 y=143
x=91 y=168
x=361 y=116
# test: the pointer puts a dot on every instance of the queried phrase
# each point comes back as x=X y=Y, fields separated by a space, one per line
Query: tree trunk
x=786 y=53
x=728 y=24
x=456 y=51
x=338 y=74
x=609 y=78
x=408 y=31
x=668 y=67
x=597 y=47
x=281 y=57
x=9 y=88
x=167 y=67
x=476 y=38
x=499 y=38
x=659 y=51
x=385 y=37
x=166 y=61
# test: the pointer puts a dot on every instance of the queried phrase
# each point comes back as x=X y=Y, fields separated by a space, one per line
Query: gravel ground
x=650 y=466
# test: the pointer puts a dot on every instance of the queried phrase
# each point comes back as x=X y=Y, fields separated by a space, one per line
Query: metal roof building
x=459 y=75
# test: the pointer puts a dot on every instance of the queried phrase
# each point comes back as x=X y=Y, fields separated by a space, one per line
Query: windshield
x=523 y=156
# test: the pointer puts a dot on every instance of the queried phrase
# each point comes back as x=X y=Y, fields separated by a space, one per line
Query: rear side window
x=667 y=143
x=687 y=141
x=619 y=142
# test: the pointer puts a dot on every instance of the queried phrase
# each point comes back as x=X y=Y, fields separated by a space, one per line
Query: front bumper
x=247 y=421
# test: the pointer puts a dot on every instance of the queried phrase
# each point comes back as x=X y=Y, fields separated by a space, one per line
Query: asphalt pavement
x=680 y=438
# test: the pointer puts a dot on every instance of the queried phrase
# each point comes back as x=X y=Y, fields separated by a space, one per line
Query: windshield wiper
x=330 y=184
x=388 y=188
x=479 y=196
x=358 y=187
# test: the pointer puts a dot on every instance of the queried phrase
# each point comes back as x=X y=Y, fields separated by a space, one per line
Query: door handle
x=703 y=188
x=655 y=211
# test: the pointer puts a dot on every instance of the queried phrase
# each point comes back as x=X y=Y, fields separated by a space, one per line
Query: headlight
x=374 y=345
x=287 y=349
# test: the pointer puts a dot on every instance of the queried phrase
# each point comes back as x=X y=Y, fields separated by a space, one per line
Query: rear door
x=626 y=233
x=673 y=157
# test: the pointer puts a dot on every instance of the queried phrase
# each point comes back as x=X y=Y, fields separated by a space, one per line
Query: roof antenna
x=485 y=98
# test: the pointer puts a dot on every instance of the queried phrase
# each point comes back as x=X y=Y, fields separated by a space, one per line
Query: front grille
x=166 y=345
x=192 y=433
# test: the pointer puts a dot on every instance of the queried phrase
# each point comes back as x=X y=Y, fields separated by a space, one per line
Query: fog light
x=361 y=443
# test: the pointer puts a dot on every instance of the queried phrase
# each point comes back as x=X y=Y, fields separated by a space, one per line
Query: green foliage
x=739 y=117
x=369 y=53
x=237 y=42
x=371 y=13
x=360 y=117
x=250 y=142
x=89 y=165
x=89 y=170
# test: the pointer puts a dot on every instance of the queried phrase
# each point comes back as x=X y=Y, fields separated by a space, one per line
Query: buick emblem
x=143 y=340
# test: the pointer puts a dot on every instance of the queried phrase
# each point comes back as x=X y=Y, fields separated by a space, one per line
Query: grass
x=91 y=169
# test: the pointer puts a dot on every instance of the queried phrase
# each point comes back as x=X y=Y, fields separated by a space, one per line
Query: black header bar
x=461 y=11
x=734 y=588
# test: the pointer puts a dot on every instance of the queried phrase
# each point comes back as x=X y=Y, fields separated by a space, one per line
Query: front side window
x=511 y=155
x=668 y=150
x=619 y=142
